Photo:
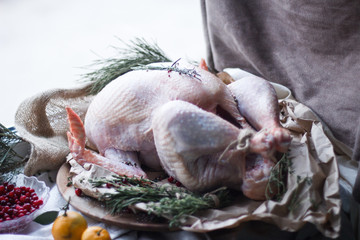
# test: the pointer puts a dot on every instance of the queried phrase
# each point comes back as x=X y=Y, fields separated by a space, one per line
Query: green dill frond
x=136 y=53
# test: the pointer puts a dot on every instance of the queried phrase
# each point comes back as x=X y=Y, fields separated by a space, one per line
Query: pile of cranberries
x=171 y=179
x=16 y=202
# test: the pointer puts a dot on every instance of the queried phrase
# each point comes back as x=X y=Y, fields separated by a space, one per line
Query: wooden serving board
x=94 y=209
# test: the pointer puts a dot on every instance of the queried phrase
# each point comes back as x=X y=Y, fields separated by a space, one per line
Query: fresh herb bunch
x=118 y=181
x=10 y=162
x=276 y=186
x=136 y=53
x=161 y=200
x=182 y=206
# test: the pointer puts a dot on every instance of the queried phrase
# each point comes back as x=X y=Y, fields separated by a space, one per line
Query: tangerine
x=95 y=233
x=69 y=226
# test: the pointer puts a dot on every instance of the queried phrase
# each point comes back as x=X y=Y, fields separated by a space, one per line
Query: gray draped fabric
x=312 y=47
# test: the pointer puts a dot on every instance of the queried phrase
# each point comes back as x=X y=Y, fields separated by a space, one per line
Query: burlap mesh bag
x=42 y=121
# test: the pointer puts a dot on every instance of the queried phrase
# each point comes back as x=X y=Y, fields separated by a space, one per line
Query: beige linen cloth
x=313 y=188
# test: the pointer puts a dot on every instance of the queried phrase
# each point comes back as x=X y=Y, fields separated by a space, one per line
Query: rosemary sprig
x=182 y=207
x=10 y=162
x=276 y=186
x=136 y=53
x=173 y=68
x=117 y=181
x=162 y=200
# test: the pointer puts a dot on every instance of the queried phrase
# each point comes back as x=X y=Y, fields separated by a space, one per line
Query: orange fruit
x=95 y=233
x=69 y=226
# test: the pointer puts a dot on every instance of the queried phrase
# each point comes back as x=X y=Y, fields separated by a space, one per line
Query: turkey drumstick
x=257 y=102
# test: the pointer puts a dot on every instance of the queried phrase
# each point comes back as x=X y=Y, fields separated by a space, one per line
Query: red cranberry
x=15 y=212
x=10 y=211
x=171 y=179
x=18 y=192
x=27 y=206
x=78 y=192
x=22 y=198
x=10 y=187
x=38 y=202
x=11 y=194
x=6 y=209
x=2 y=189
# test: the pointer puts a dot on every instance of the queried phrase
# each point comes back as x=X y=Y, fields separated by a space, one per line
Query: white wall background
x=46 y=44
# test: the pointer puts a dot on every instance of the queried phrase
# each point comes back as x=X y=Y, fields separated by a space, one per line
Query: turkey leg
x=258 y=103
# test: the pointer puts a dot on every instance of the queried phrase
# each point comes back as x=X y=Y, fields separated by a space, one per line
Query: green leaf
x=46 y=217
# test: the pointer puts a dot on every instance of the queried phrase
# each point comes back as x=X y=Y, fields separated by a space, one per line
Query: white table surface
x=46 y=44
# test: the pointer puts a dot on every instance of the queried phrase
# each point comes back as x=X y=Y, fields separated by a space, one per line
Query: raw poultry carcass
x=118 y=121
x=124 y=117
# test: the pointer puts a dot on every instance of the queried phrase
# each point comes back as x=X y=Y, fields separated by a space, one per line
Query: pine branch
x=10 y=162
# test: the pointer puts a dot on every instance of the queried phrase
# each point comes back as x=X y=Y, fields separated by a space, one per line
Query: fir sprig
x=136 y=53
x=10 y=162
x=161 y=200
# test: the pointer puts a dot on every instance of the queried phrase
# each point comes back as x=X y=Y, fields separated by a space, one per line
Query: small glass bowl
x=42 y=191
